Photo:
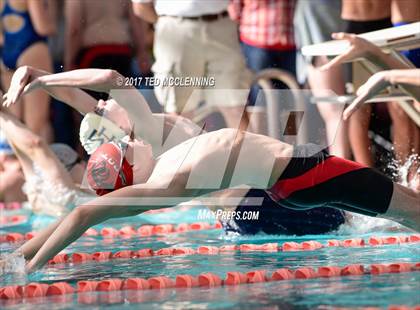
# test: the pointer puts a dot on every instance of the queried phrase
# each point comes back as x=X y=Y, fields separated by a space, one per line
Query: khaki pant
x=189 y=48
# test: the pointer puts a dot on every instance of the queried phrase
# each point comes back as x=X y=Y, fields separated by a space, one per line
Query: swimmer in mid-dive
x=299 y=177
x=130 y=112
x=51 y=172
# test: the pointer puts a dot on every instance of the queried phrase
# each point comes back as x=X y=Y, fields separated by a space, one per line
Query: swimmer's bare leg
x=404 y=207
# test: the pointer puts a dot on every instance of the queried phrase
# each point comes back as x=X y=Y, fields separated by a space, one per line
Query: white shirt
x=187 y=8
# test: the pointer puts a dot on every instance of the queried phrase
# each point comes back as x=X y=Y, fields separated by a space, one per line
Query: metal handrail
x=263 y=79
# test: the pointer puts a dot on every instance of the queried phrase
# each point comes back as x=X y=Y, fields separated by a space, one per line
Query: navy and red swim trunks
x=316 y=179
x=311 y=193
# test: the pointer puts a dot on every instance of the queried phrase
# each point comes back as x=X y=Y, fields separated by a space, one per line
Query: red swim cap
x=108 y=170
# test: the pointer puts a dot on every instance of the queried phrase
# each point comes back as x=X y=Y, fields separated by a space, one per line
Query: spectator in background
x=404 y=12
x=314 y=22
x=266 y=35
x=101 y=33
x=25 y=26
x=408 y=133
x=195 y=38
x=362 y=16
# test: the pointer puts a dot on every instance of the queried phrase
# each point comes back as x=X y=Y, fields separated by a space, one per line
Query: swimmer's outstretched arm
x=128 y=201
x=66 y=87
x=26 y=79
x=32 y=246
x=147 y=125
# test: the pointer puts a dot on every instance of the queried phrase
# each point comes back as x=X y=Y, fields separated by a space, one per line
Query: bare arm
x=235 y=10
x=145 y=11
x=138 y=27
x=27 y=79
x=407 y=77
x=73 y=16
x=359 y=48
x=408 y=80
x=112 y=205
x=66 y=87
x=32 y=246
x=109 y=81
x=42 y=17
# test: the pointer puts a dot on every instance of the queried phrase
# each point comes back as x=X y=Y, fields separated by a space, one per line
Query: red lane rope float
x=206 y=279
x=13 y=219
x=10 y=205
x=125 y=232
x=214 y=250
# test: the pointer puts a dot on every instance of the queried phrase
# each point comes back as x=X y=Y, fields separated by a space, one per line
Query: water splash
x=13 y=263
x=406 y=173
x=361 y=224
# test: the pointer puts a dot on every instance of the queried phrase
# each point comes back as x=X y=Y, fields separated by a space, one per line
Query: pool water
x=329 y=293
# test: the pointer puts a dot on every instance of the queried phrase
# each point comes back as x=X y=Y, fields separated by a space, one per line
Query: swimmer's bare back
x=223 y=159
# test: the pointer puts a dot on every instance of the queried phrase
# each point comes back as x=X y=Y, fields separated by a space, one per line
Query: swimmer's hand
x=358 y=48
x=20 y=85
x=374 y=85
x=19 y=80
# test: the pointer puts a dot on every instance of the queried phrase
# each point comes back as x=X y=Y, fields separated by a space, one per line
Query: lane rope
x=11 y=206
x=82 y=257
x=206 y=279
x=124 y=232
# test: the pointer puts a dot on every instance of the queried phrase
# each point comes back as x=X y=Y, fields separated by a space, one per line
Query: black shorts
x=320 y=180
x=358 y=27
